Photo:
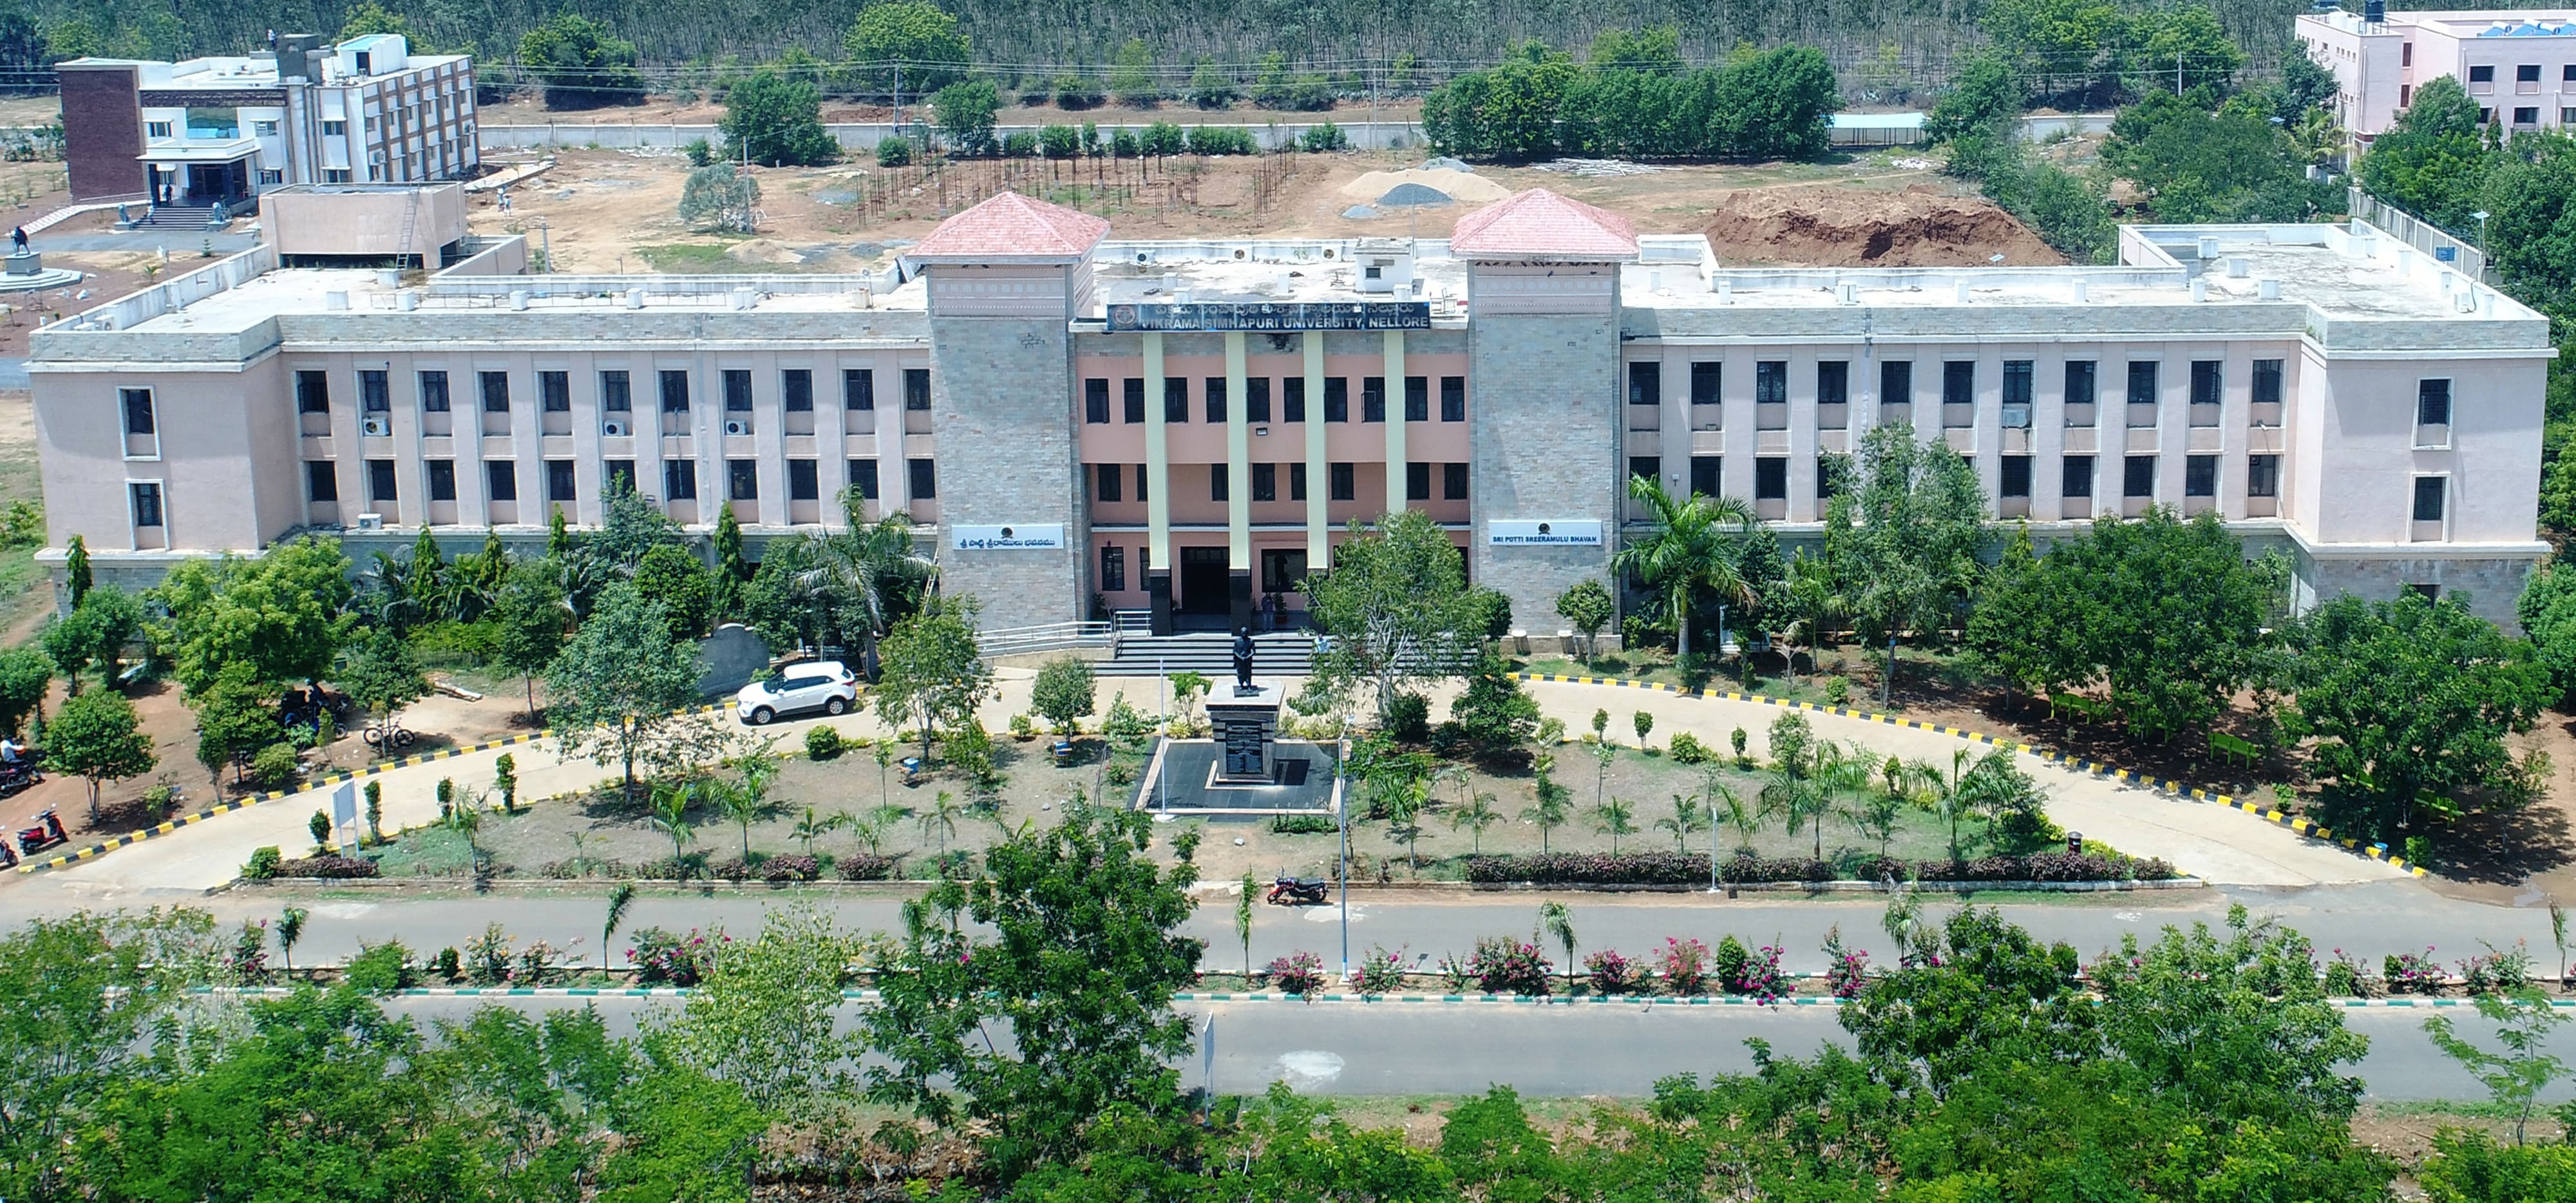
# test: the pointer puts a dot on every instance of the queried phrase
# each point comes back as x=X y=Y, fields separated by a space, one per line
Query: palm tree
x=1404 y=817
x=747 y=798
x=1615 y=818
x=942 y=817
x=1687 y=817
x=856 y=576
x=1952 y=801
x=1816 y=605
x=671 y=814
x=881 y=820
x=1559 y=923
x=811 y=828
x=1839 y=774
x=1696 y=546
x=1477 y=815
x=1741 y=817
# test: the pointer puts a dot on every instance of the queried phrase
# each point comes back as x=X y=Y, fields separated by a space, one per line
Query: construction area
x=617 y=210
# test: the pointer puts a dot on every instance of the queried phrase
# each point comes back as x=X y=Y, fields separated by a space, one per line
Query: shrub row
x=1678 y=868
x=327 y=866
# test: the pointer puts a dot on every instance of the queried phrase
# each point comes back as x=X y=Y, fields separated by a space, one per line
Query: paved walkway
x=2201 y=838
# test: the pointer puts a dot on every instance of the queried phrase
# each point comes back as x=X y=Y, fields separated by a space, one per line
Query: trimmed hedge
x=793 y=867
x=1681 y=869
x=327 y=866
x=866 y=866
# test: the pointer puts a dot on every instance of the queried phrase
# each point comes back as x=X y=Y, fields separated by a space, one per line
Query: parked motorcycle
x=18 y=776
x=47 y=832
x=1297 y=891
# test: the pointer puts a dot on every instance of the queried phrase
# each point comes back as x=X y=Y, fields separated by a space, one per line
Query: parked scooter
x=1297 y=891
x=47 y=832
x=16 y=776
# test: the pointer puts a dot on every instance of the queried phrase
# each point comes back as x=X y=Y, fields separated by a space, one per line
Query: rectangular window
x=804 y=480
x=2015 y=476
x=2526 y=115
x=925 y=480
x=1417 y=398
x=1453 y=398
x=2200 y=476
x=675 y=391
x=616 y=392
x=1646 y=383
x=322 y=480
x=680 y=480
x=1453 y=482
x=1265 y=482
x=2080 y=386
x=618 y=474
x=496 y=391
x=2482 y=74
x=2206 y=382
x=1095 y=401
x=2526 y=73
x=1292 y=399
x=433 y=392
x=2019 y=385
x=138 y=409
x=1282 y=570
x=501 y=479
x=1707 y=473
x=1296 y=481
x=554 y=391
x=1417 y=482
x=1707 y=376
x=1830 y=470
x=1214 y=394
x=1770 y=478
x=737 y=390
x=1896 y=382
x=1219 y=487
x=863 y=479
x=559 y=481
x=2428 y=497
x=1131 y=401
x=1345 y=483
x=2142 y=382
x=147 y=503
x=1372 y=398
x=334 y=129
x=2075 y=478
x=1176 y=400
x=1337 y=398
x=1959 y=382
x=157 y=129
x=2267 y=382
x=312 y=392
x=916 y=389
x=796 y=390
x=1650 y=467
x=1770 y=382
x=375 y=396
x=1113 y=569
x=858 y=390
x=2262 y=476
x=1140 y=482
x=2138 y=477
x=442 y=479
x=1111 y=476
x=742 y=480
x=1256 y=399
x=1833 y=382
x=2433 y=403
x=380 y=481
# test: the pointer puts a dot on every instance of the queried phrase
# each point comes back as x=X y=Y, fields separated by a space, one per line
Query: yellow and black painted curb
x=2079 y=764
x=102 y=848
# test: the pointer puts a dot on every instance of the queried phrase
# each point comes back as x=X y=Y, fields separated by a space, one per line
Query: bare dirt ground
x=603 y=210
x=527 y=109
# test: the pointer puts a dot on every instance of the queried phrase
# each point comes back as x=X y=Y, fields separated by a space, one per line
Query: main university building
x=1182 y=427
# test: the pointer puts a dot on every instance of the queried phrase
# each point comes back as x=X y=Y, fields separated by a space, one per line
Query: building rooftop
x=1008 y=226
x=1540 y=224
x=2478 y=23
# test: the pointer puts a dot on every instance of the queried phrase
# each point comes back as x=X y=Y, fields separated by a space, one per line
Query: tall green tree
x=933 y=671
x=97 y=737
x=1905 y=543
x=382 y=675
x=765 y=1017
x=94 y=633
x=2433 y=163
x=287 y=612
x=1397 y=607
x=905 y=48
x=26 y=673
x=776 y=120
x=966 y=112
x=617 y=683
x=1695 y=549
x=580 y=63
x=531 y=613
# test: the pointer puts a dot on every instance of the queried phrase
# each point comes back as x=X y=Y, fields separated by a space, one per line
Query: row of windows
x=2527 y=115
x=679 y=479
x=616 y=390
x=2138 y=475
x=1291 y=393
x=1958 y=381
x=2523 y=73
x=1110 y=482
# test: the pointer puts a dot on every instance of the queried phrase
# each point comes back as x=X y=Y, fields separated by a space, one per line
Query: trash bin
x=911 y=770
x=1064 y=753
x=2074 y=843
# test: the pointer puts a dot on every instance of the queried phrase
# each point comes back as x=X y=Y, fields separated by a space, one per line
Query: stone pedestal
x=1246 y=726
x=25 y=263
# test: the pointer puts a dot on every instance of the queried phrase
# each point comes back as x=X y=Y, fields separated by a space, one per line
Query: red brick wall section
x=102 y=133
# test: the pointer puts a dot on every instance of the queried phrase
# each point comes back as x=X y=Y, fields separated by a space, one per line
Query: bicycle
x=388 y=736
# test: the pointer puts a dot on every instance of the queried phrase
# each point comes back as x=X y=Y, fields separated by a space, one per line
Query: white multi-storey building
x=2519 y=64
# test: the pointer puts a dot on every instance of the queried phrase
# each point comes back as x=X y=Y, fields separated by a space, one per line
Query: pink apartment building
x=2520 y=65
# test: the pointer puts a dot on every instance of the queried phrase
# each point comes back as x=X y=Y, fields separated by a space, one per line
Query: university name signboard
x=1253 y=316
x=1563 y=532
x=1031 y=536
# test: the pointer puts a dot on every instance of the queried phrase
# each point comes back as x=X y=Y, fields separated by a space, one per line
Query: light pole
x=1342 y=805
x=2481 y=215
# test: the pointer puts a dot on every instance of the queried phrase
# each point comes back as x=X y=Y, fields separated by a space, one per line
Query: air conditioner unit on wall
x=614 y=430
x=371 y=522
x=737 y=426
x=376 y=426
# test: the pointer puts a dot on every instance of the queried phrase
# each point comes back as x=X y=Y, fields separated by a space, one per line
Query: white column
x=1158 y=471
x=1395 y=462
x=1238 y=460
x=1319 y=485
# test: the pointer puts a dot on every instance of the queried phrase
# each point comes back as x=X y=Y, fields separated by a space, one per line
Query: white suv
x=811 y=685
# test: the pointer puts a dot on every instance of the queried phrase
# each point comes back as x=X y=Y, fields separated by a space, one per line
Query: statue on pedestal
x=1242 y=660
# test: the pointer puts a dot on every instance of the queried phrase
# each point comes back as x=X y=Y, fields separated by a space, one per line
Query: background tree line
x=1636 y=99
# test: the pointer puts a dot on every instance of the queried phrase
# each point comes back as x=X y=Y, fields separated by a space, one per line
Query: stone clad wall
x=1545 y=403
x=1003 y=428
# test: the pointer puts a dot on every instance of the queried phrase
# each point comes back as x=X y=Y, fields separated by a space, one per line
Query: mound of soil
x=1837 y=227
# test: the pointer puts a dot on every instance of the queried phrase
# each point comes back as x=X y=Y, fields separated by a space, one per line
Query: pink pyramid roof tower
x=1539 y=224
x=1010 y=226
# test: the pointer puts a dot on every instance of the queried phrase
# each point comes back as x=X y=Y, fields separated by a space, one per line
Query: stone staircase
x=1209 y=653
x=177 y=217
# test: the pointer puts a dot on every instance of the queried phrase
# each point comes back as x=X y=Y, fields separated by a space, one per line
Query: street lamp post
x=1342 y=804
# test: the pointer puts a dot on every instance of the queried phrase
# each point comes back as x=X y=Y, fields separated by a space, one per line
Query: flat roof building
x=2518 y=64
x=221 y=130
x=1181 y=427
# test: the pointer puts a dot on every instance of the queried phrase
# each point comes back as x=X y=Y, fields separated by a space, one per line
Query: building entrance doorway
x=1202 y=581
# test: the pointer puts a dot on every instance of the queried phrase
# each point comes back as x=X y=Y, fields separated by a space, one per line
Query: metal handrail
x=1044 y=637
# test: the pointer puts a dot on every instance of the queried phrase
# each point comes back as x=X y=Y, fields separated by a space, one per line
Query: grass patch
x=706 y=258
x=435 y=852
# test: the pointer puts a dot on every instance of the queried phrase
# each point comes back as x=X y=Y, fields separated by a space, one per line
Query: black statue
x=1243 y=659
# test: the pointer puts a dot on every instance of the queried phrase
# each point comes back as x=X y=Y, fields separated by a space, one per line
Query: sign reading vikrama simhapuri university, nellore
x=1255 y=316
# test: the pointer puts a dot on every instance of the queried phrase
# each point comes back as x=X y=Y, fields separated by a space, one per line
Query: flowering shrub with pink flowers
x=1504 y=965
x=1611 y=972
x=663 y=959
x=1297 y=973
x=1381 y=971
x=2408 y=973
x=1684 y=965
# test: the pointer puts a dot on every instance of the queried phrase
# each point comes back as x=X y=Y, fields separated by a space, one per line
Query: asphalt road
x=1393 y=1048
x=2367 y=920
